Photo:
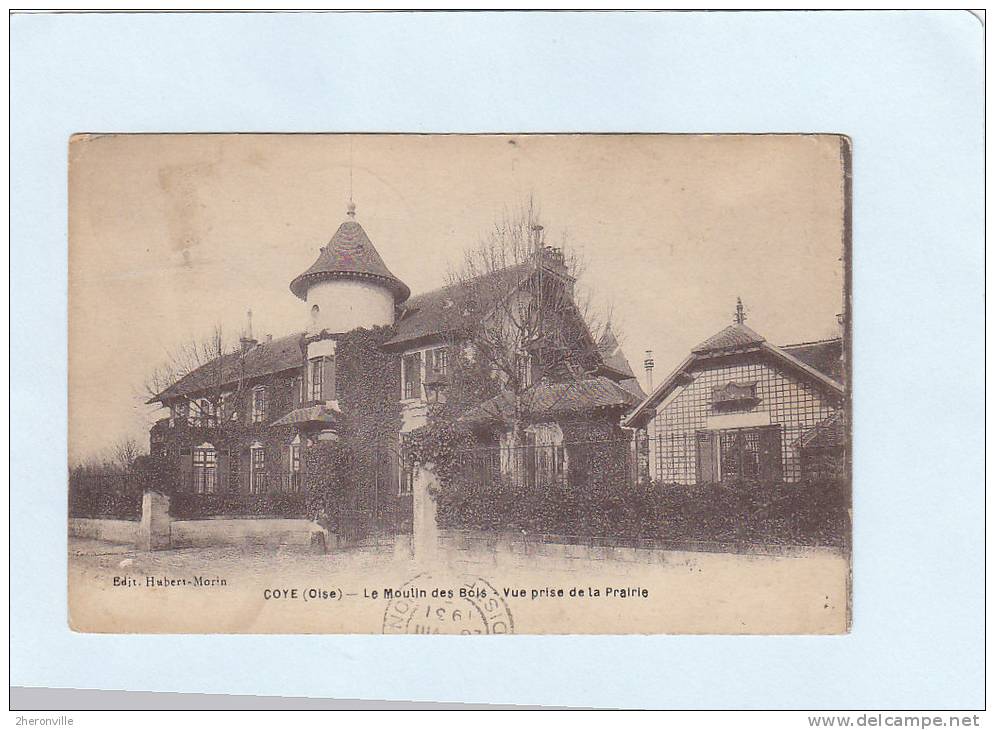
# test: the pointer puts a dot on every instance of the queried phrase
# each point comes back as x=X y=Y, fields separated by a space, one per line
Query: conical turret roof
x=350 y=255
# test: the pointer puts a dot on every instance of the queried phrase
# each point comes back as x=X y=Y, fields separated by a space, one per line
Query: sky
x=170 y=235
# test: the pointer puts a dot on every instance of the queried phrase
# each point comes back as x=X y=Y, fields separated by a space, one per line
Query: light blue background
x=906 y=86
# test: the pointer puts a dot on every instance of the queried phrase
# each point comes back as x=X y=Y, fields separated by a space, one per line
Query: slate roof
x=350 y=255
x=556 y=398
x=632 y=386
x=265 y=358
x=611 y=353
x=823 y=355
x=732 y=337
x=828 y=433
x=455 y=307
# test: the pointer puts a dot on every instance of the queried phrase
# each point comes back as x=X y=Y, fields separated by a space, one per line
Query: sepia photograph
x=459 y=384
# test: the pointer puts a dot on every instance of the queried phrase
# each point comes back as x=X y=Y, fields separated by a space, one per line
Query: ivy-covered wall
x=352 y=482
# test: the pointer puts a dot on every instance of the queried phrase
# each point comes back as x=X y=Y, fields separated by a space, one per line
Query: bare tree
x=217 y=371
x=126 y=451
x=527 y=324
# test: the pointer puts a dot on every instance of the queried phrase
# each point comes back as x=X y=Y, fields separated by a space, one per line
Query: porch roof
x=552 y=399
x=321 y=414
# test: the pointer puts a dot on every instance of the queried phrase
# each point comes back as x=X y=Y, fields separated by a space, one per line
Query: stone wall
x=269 y=532
x=473 y=548
x=121 y=531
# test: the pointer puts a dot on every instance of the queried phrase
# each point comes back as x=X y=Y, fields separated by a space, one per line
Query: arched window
x=315 y=311
x=205 y=469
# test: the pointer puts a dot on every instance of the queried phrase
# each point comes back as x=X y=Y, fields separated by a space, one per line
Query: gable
x=763 y=352
x=727 y=390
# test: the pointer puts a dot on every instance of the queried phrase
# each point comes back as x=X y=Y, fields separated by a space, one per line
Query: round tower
x=349 y=286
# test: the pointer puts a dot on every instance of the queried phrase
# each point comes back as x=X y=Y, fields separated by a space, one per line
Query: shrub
x=809 y=513
x=199 y=506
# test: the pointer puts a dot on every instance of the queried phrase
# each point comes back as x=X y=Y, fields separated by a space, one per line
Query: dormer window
x=734 y=396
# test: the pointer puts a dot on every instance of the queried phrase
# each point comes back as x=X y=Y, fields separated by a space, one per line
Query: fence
x=577 y=463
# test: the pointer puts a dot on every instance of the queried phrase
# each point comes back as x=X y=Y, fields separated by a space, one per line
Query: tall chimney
x=246 y=340
x=648 y=365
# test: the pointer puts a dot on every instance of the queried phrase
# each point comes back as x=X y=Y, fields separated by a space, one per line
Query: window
x=297 y=387
x=315 y=311
x=205 y=462
x=321 y=384
x=440 y=361
x=226 y=408
x=315 y=380
x=180 y=411
x=295 y=467
x=412 y=375
x=407 y=482
x=259 y=404
x=734 y=396
x=739 y=453
x=204 y=413
x=257 y=470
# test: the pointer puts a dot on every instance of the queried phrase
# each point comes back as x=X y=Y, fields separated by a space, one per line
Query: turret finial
x=351 y=209
x=740 y=316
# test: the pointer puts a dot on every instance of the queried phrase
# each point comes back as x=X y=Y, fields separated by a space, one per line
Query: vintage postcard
x=459 y=384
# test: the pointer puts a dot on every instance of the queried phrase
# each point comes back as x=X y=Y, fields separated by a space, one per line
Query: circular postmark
x=455 y=605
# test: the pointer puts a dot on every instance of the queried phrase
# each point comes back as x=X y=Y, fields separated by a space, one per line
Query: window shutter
x=708 y=469
x=186 y=471
x=222 y=470
x=328 y=378
x=770 y=454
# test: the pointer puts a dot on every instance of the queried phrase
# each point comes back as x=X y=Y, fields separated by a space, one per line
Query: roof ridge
x=814 y=342
x=460 y=284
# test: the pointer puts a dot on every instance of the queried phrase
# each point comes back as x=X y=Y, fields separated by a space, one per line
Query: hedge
x=808 y=513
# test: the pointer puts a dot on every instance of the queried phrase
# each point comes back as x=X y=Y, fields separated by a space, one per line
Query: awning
x=319 y=414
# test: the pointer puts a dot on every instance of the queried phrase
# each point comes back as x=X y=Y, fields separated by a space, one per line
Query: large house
x=739 y=407
x=242 y=423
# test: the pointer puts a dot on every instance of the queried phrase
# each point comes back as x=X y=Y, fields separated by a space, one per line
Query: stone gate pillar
x=425 y=530
x=153 y=532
